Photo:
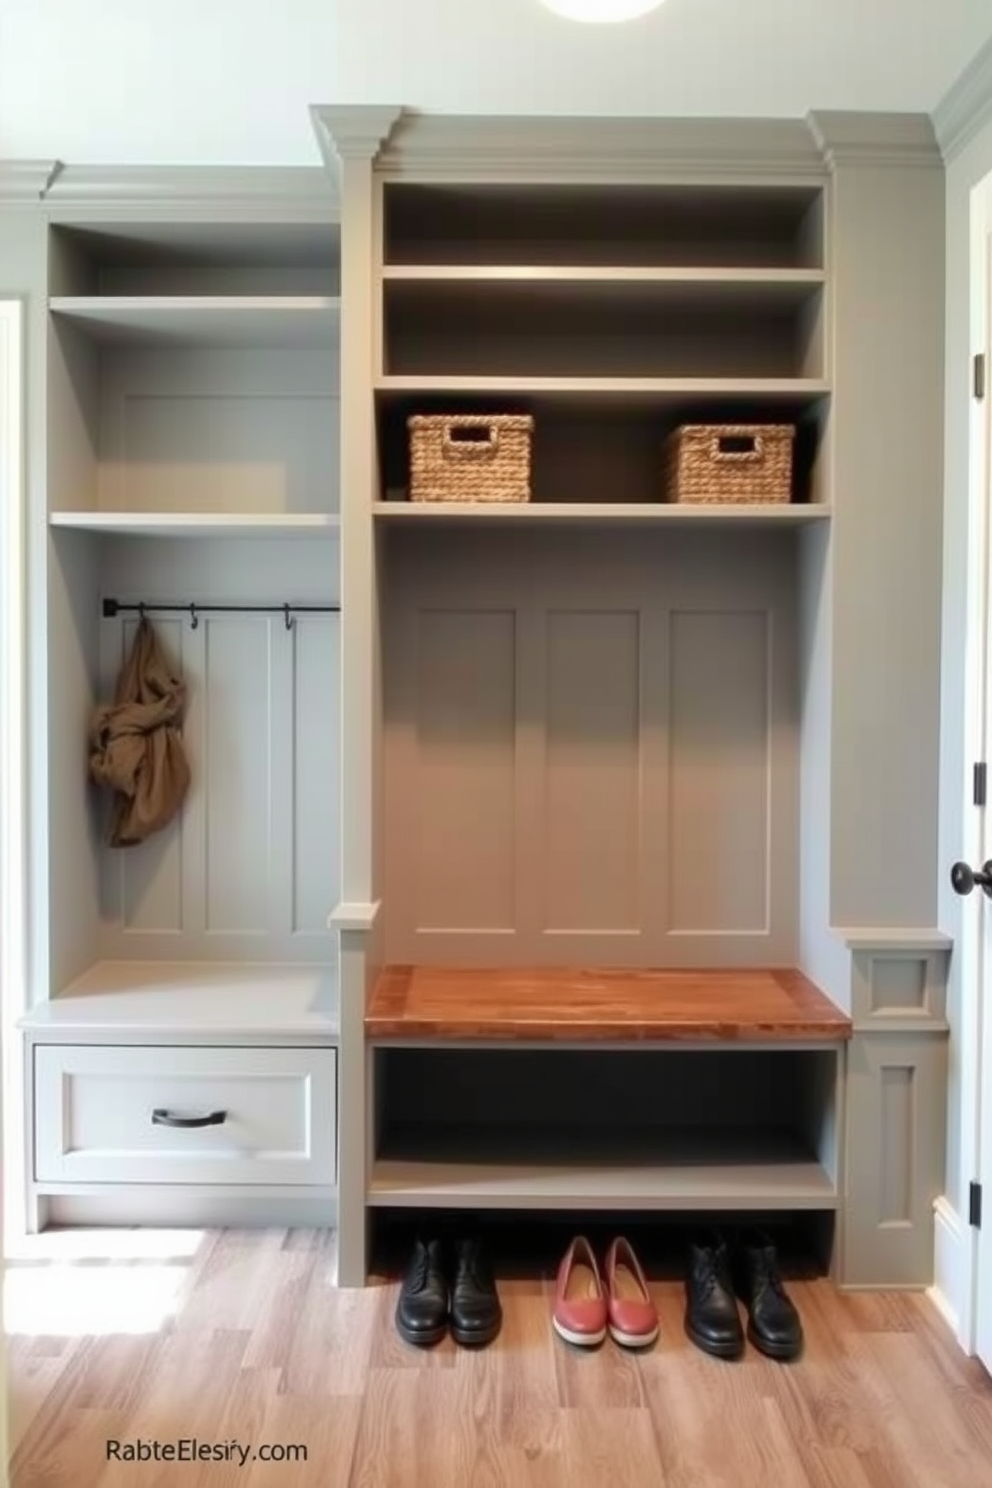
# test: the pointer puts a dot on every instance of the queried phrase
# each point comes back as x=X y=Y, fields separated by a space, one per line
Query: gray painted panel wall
x=592 y=768
x=887 y=257
x=219 y=431
x=251 y=868
x=591 y=748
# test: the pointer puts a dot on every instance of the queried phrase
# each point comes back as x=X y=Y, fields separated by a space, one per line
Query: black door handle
x=165 y=1118
x=964 y=879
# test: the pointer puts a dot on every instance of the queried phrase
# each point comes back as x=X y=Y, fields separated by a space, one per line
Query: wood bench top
x=562 y=1004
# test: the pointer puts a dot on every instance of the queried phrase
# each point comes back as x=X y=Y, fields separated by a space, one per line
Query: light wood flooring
x=262 y=1350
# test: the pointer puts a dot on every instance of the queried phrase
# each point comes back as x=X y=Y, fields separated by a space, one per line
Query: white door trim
x=13 y=724
x=976 y=844
x=13 y=756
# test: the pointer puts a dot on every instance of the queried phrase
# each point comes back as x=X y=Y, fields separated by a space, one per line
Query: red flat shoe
x=579 y=1315
x=632 y=1318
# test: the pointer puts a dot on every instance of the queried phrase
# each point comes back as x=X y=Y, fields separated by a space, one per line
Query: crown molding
x=292 y=192
x=966 y=107
x=26 y=180
x=352 y=131
x=635 y=149
x=875 y=139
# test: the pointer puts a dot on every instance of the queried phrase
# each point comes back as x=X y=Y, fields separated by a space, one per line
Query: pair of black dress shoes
x=719 y=1272
x=448 y=1285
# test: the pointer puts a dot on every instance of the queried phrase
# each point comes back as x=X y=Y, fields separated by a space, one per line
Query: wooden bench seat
x=562 y=1004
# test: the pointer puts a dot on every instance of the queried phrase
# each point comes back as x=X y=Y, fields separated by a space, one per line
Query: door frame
x=975 y=1030
x=13 y=756
x=13 y=780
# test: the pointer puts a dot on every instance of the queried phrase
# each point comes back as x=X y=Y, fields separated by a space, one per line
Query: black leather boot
x=476 y=1314
x=422 y=1308
x=712 y=1320
x=773 y=1324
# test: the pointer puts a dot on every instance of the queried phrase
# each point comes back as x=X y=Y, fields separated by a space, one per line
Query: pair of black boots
x=721 y=1270
x=448 y=1284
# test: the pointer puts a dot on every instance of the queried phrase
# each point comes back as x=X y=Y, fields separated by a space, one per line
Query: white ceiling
x=230 y=81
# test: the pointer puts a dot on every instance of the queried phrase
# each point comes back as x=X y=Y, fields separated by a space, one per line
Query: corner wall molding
x=966 y=106
x=27 y=180
x=352 y=131
x=885 y=938
x=865 y=139
x=295 y=192
x=353 y=916
x=546 y=148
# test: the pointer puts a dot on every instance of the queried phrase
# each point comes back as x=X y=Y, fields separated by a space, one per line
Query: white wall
x=231 y=81
x=964 y=171
x=164 y=81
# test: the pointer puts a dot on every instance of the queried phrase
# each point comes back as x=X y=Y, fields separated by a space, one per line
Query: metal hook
x=194 y=618
x=141 y=613
x=287 y=614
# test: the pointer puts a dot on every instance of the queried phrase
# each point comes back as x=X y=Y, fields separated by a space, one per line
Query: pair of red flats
x=590 y=1303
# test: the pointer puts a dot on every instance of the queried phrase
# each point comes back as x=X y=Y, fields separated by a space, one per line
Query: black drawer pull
x=164 y=1118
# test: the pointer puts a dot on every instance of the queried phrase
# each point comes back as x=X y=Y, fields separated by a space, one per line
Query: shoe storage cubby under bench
x=595 y=1090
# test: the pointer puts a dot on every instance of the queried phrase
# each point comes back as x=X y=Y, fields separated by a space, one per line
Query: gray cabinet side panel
x=887 y=452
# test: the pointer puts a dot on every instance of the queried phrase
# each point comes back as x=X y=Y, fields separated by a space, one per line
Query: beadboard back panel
x=591 y=747
x=249 y=868
x=216 y=431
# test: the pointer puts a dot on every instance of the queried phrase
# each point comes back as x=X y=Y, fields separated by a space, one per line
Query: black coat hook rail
x=114 y=607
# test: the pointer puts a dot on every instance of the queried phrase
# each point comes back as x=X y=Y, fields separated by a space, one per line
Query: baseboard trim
x=181 y=1209
x=952 y=1270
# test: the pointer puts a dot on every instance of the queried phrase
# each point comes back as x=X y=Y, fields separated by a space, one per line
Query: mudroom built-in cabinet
x=182 y=1040
x=572 y=855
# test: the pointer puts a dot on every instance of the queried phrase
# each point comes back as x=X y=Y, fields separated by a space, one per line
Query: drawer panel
x=94 y=1106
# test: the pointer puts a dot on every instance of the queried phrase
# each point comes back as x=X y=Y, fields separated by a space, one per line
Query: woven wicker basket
x=470 y=457
x=729 y=463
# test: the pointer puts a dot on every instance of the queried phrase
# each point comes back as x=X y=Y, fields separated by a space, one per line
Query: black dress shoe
x=773 y=1324
x=422 y=1308
x=476 y=1314
x=712 y=1320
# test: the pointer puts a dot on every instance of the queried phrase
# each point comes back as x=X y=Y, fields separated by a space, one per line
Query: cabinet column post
x=350 y=138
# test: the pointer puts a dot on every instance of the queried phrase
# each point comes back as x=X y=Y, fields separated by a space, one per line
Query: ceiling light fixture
x=601 y=11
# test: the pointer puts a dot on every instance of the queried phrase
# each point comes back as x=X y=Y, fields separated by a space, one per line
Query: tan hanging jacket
x=136 y=743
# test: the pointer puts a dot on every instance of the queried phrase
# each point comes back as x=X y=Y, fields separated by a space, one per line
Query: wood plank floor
x=260 y=1349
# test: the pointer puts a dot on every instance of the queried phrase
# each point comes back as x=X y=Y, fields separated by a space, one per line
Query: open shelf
x=562 y=1004
x=599 y=513
x=199 y=524
x=626 y=327
x=596 y=447
x=543 y=223
x=700 y=1169
x=204 y=320
x=194 y=999
x=564 y=1127
x=722 y=284
x=654 y=392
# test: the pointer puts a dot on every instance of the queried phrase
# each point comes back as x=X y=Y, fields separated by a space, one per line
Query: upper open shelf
x=151 y=257
x=599 y=513
x=644 y=325
x=200 y=524
x=726 y=226
x=204 y=320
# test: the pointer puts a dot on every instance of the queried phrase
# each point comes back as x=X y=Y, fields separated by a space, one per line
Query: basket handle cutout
x=738 y=449
x=471 y=439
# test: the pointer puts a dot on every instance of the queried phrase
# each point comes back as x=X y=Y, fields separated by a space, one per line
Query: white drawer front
x=94 y=1108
